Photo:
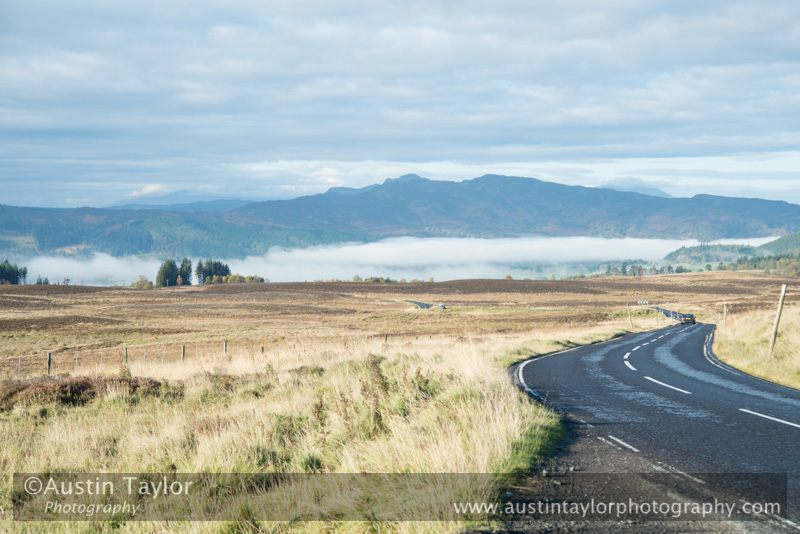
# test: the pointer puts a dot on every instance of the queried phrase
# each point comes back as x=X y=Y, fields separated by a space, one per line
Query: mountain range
x=489 y=206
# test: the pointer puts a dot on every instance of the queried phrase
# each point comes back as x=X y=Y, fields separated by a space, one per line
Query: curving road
x=663 y=397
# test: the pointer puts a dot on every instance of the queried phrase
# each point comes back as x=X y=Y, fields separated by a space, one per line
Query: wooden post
x=183 y=353
x=145 y=357
x=95 y=372
x=630 y=319
x=76 y=363
x=101 y=357
x=126 y=356
x=164 y=354
x=725 y=316
x=225 y=348
x=19 y=368
x=777 y=321
x=49 y=362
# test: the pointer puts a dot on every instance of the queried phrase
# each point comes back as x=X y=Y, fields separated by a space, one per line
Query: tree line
x=12 y=274
x=171 y=274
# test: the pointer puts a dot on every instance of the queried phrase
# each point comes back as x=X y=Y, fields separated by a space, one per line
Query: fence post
x=49 y=362
x=183 y=353
x=19 y=368
x=101 y=357
x=725 y=316
x=777 y=321
x=145 y=357
x=126 y=356
x=76 y=364
x=630 y=319
x=164 y=354
x=225 y=347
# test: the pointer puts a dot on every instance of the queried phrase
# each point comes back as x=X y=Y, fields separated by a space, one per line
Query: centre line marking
x=770 y=418
x=668 y=386
x=632 y=368
x=631 y=447
x=636 y=348
x=626 y=356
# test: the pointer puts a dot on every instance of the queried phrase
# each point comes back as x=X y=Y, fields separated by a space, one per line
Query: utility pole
x=777 y=321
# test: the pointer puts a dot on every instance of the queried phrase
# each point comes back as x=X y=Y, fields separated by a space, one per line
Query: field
x=308 y=378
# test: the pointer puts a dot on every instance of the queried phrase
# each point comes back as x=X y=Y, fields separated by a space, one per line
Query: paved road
x=663 y=397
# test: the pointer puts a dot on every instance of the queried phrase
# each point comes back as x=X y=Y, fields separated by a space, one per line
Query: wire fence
x=111 y=360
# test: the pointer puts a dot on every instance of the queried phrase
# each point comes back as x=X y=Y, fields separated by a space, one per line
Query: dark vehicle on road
x=687 y=318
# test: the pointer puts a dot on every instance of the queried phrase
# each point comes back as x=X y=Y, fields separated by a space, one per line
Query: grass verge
x=744 y=343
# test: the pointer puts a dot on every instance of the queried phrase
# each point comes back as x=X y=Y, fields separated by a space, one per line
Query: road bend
x=663 y=396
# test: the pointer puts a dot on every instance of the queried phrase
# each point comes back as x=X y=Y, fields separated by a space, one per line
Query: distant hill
x=785 y=245
x=652 y=191
x=713 y=253
x=489 y=206
x=507 y=206
x=206 y=206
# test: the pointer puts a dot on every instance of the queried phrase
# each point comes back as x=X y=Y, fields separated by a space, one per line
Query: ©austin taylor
x=126 y=485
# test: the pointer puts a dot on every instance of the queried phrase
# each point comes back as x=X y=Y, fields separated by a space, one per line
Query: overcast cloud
x=101 y=101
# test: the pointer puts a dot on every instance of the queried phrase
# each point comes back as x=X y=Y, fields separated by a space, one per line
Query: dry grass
x=744 y=344
x=350 y=378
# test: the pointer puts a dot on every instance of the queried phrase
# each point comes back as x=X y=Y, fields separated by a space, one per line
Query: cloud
x=212 y=86
x=150 y=189
x=407 y=257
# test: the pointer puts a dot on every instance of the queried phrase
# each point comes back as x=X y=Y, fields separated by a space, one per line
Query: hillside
x=712 y=253
x=489 y=206
x=787 y=244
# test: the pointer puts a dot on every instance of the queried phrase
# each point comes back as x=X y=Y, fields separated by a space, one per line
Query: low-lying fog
x=398 y=258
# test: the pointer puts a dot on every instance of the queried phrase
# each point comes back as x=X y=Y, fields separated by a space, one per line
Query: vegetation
x=12 y=274
x=170 y=275
x=744 y=343
x=786 y=244
x=780 y=264
x=206 y=271
x=706 y=253
x=142 y=283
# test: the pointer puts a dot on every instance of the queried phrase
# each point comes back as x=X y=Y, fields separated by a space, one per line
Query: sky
x=127 y=100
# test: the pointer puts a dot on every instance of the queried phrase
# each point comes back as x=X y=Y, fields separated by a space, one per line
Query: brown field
x=332 y=377
x=35 y=320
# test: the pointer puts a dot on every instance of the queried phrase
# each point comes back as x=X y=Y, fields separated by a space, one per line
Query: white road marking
x=631 y=447
x=604 y=440
x=645 y=344
x=636 y=348
x=654 y=340
x=626 y=356
x=668 y=386
x=632 y=368
x=679 y=472
x=770 y=418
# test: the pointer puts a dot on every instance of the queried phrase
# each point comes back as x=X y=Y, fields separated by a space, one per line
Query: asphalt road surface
x=663 y=399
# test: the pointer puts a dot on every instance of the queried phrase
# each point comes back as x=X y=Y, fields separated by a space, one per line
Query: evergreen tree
x=167 y=274
x=185 y=272
x=200 y=273
x=11 y=274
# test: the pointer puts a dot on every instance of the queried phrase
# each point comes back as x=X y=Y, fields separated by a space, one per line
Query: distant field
x=331 y=377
